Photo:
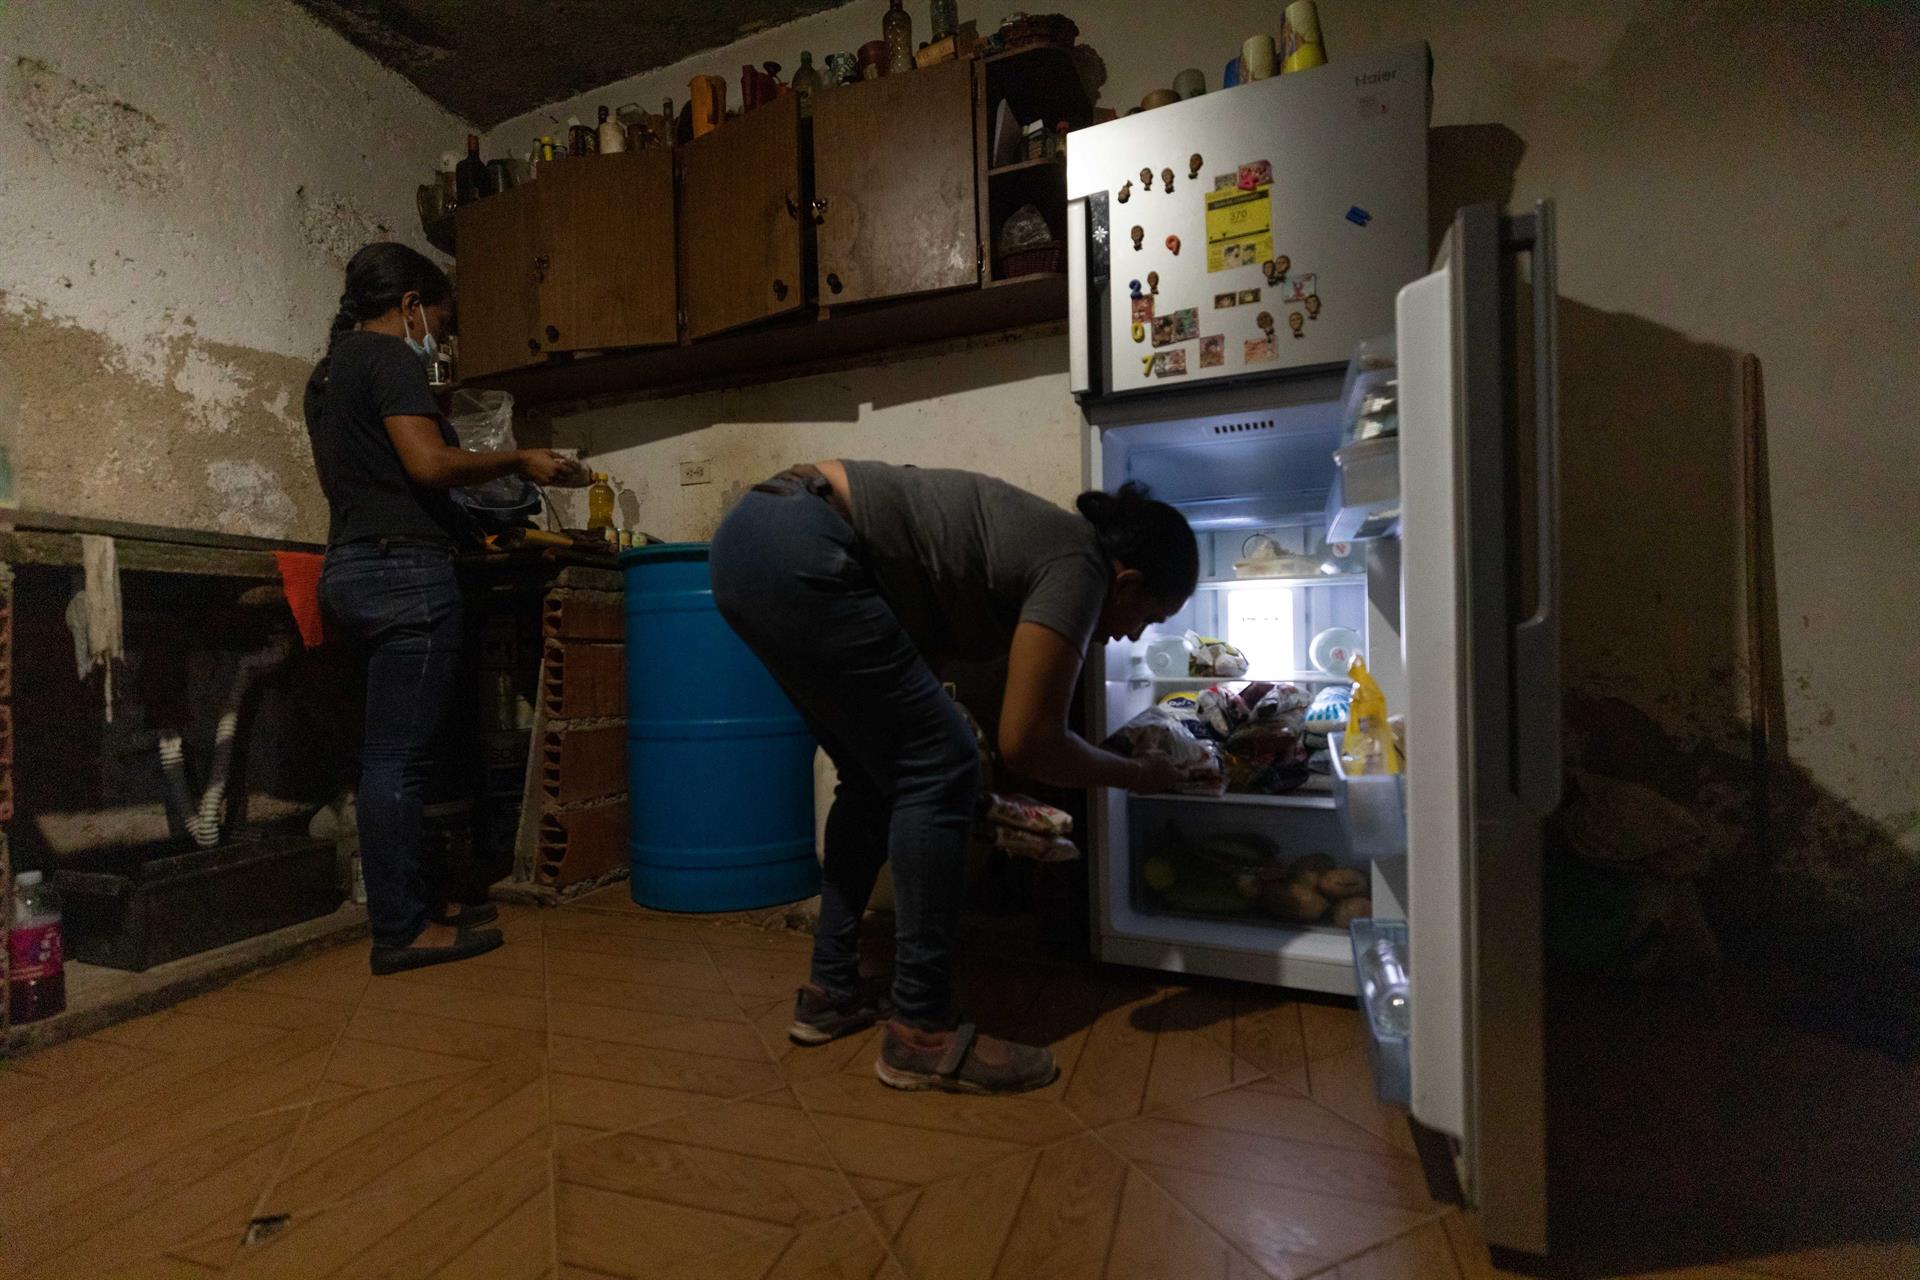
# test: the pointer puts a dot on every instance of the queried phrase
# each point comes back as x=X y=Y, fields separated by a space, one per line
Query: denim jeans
x=788 y=576
x=401 y=604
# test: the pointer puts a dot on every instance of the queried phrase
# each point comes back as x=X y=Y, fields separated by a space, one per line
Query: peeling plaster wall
x=182 y=184
x=1724 y=187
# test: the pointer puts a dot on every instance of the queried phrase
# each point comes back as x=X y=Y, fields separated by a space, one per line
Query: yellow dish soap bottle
x=600 y=504
x=1367 y=746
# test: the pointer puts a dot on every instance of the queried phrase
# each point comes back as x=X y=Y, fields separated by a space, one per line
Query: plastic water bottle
x=1386 y=978
x=37 y=985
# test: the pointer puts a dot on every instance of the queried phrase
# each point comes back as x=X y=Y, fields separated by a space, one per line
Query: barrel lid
x=666 y=553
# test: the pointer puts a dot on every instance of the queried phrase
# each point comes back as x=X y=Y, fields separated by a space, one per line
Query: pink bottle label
x=35 y=951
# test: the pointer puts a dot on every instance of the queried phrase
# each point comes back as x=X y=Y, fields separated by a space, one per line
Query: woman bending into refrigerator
x=848 y=580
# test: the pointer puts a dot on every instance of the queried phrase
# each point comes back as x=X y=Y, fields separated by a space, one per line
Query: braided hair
x=378 y=277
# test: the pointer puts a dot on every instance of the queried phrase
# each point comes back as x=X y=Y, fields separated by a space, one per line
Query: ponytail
x=378 y=277
x=1140 y=533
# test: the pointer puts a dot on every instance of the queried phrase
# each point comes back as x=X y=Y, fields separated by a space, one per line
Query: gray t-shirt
x=964 y=558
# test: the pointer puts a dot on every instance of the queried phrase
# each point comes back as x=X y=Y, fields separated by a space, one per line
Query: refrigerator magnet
x=1169 y=364
x=1226 y=182
x=1224 y=300
x=1313 y=306
x=1153 y=282
x=1358 y=217
x=1193 y=165
x=1173 y=245
x=1296 y=322
x=1265 y=321
x=1139 y=332
x=1257 y=173
x=1239 y=228
x=1248 y=295
x=1166 y=180
x=1139 y=234
x=1146 y=179
x=1213 y=351
x=1142 y=308
x=1126 y=191
x=1146 y=365
x=1260 y=351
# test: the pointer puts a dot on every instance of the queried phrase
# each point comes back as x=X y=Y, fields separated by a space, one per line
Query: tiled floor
x=612 y=1095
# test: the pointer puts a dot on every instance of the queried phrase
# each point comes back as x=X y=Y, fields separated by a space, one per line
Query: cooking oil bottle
x=600 y=504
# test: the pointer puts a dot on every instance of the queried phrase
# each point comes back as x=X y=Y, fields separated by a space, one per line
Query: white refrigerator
x=1433 y=550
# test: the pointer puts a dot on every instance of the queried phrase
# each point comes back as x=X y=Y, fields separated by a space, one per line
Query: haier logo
x=1378 y=77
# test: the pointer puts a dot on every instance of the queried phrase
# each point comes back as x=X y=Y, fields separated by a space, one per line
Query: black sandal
x=478 y=942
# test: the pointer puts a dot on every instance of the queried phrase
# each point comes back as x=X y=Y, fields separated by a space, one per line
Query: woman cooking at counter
x=847 y=579
x=387 y=460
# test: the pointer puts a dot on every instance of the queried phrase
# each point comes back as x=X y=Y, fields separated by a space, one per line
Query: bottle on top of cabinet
x=806 y=82
x=599 y=503
x=582 y=140
x=945 y=18
x=896 y=29
x=471 y=180
x=37 y=978
x=613 y=134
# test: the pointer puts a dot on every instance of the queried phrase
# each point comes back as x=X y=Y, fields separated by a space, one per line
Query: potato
x=1294 y=900
x=1347 y=910
x=1343 y=882
x=1309 y=867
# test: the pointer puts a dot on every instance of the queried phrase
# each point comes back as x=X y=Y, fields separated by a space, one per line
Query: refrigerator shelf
x=1260 y=677
x=1364 y=502
x=1317 y=580
x=1301 y=799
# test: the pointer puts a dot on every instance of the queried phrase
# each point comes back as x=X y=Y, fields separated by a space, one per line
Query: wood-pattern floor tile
x=1029 y=1119
x=588 y=933
x=368 y=1064
x=340 y=975
x=1421 y=1254
x=661 y=1068
x=957 y=1229
x=714 y=1038
x=629 y=960
x=1343 y=1083
x=510 y=980
x=843 y=1249
x=448 y=1037
x=598 y=1106
x=493 y=1008
x=1266 y=1109
x=1356 y=1175
x=612 y=992
x=1066 y=1221
x=1288 y=1233
x=1330 y=1029
x=271 y=1009
x=1157 y=1238
x=761 y=975
x=1152 y=1051
x=633 y=1238
x=854 y=1053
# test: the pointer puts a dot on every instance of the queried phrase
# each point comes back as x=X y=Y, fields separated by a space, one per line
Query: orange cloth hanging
x=300 y=578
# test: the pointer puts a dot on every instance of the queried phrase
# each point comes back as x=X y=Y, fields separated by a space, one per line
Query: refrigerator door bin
x=1279 y=866
x=1365 y=499
x=1372 y=808
x=1389 y=1053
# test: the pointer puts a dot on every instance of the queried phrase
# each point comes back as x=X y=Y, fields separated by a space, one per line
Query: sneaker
x=960 y=1061
x=817 y=1018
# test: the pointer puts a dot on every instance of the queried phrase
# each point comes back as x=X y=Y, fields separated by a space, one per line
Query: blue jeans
x=401 y=603
x=789 y=577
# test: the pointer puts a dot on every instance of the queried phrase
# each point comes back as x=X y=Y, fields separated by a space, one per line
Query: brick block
x=584 y=679
x=583 y=764
x=582 y=845
x=583 y=615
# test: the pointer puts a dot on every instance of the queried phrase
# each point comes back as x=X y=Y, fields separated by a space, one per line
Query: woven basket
x=1035 y=261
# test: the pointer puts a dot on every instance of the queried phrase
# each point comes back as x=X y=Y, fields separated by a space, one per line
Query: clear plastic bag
x=1025 y=229
x=483 y=423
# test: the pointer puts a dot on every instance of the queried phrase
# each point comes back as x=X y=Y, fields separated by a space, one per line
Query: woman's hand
x=552 y=470
x=1157 y=773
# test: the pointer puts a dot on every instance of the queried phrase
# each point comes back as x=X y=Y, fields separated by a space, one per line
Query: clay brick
x=583 y=764
x=577 y=615
x=582 y=845
x=583 y=680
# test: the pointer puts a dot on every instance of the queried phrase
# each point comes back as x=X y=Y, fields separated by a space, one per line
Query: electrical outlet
x=700 y=472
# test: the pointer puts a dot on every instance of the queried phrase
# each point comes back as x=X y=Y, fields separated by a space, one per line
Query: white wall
x=183 y=181
x=1728 y=182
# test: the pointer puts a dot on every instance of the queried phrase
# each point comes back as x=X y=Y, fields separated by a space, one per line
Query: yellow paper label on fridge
x=1239 y=228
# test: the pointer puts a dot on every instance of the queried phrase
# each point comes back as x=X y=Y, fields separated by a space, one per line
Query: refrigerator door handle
x=1538 y=771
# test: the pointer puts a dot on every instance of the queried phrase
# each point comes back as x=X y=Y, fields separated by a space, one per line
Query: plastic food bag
x=1217 y=658
x=1024 y=813
x=1158 y=732
x=1034 y=846
x=1025 y=229
x=483 y=423
x=1329 y=711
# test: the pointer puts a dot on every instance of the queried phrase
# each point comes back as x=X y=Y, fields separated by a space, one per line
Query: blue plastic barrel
x=719 y=764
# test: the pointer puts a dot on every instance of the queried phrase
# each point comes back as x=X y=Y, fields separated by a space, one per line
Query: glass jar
x=946 y=19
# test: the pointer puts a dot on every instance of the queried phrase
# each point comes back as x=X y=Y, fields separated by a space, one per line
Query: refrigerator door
x=1479 y=484
x=1297 y=207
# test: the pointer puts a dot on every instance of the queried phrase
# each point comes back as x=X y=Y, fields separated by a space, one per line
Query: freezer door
x=1480 y=594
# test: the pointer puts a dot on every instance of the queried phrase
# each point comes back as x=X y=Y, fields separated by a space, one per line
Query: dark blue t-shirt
x=373 y=377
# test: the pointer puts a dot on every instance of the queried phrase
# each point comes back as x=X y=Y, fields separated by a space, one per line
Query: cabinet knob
x=820 y=209
x=533 y=345
x=553 y=334
x=780 y=289
x=833 y=282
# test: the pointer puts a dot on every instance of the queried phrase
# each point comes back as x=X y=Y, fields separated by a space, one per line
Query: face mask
x=426 y=348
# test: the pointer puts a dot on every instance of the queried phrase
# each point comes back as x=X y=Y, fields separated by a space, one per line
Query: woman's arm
x=1042 y=670
x=432 y=463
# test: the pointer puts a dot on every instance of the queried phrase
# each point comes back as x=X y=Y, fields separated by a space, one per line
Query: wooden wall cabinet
x=582 y=260
x=896 y=185
x=743 y=241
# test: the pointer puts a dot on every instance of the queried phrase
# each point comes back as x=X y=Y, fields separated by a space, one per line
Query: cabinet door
x=741 y=237
x=495 y=243
x=606 y=241
x=895 y=185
